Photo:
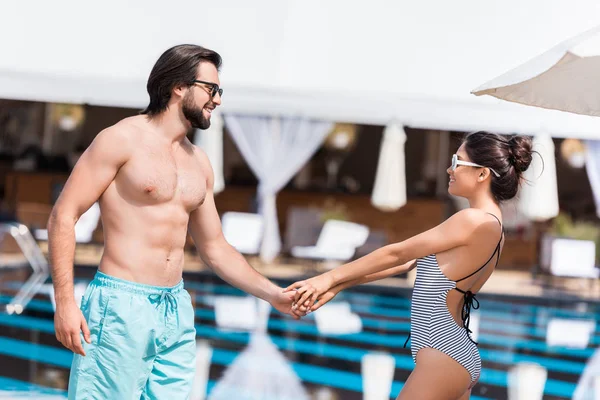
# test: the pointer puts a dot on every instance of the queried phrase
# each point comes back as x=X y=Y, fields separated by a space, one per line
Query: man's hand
x=310 y=290
x=282 y=302
x=68 y=322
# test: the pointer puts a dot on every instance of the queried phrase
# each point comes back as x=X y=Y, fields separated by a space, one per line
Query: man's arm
x=90 y=177
x=224 y=259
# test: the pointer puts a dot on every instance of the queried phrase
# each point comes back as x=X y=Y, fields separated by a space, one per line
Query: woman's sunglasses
x=456 y=162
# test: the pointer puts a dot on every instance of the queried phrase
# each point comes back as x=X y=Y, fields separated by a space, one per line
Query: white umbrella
x=566 y=78
x=389 y=192
x=261 y=371
x=211 y=141
x=538 y=198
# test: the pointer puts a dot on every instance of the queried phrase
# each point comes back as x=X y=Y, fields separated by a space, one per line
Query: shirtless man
x=152 y=185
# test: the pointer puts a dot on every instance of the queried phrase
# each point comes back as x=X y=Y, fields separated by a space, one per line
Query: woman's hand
x=303 y=309
x=308 y=291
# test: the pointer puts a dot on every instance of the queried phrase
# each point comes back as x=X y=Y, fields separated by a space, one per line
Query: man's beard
x=194 y=114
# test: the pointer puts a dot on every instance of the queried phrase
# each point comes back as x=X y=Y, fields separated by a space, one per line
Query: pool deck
x=502 y=282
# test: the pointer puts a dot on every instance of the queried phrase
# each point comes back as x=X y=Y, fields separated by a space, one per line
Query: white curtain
x=211 y=141
x=539 y=193
x=275 y=149
x=592 y=165
x=389 y=192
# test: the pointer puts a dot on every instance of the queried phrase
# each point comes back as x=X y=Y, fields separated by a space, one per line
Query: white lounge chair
x=572 y=333
x=243 y=231
x=84 y=228
x=337 y=318
x=338 y=240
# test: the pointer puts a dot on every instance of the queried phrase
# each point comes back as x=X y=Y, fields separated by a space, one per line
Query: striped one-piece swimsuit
x=432 y=324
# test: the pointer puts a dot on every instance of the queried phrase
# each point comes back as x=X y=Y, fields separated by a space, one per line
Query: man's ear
x=180 y=90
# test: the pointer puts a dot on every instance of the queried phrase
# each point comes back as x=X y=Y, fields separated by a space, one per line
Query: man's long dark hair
x=175 y=67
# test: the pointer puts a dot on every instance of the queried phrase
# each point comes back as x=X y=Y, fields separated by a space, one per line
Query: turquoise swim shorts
x=143 y=342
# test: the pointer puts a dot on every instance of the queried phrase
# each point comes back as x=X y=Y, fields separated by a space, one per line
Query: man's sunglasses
x=214 y=87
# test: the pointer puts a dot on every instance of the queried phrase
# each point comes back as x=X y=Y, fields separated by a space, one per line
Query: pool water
x=302 y=356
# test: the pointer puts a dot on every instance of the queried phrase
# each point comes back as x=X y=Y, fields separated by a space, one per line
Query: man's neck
x=171 y=125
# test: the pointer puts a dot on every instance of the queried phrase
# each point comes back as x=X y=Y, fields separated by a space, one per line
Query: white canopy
x=357 y=62
x=566 y=78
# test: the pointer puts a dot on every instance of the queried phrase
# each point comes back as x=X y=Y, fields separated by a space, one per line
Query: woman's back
x=471 y=265
x=443 y=297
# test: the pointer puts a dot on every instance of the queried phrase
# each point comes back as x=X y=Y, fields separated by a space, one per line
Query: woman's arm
x=331 y=293
x=399 y=269
x=456 y=231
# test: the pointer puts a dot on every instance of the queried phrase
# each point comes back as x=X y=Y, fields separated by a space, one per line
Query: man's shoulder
x=203 y=160
x=200 y=154
x=119 y=139
x=130 y=127
x=124 y=132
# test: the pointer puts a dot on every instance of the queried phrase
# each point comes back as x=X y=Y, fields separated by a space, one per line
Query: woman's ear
x=483 y=174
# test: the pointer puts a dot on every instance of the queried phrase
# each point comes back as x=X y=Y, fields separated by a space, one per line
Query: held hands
x=307 y=292
x=283 y=301
x=321 y=301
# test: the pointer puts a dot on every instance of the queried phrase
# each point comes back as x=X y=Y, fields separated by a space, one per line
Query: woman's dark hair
x=509 y=156
x=175 y=67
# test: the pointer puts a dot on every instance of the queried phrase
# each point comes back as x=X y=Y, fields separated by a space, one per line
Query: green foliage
x=334 y=210
x=564 y=226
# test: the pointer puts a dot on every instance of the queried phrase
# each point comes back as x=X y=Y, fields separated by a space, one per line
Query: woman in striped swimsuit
x=453 y=261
